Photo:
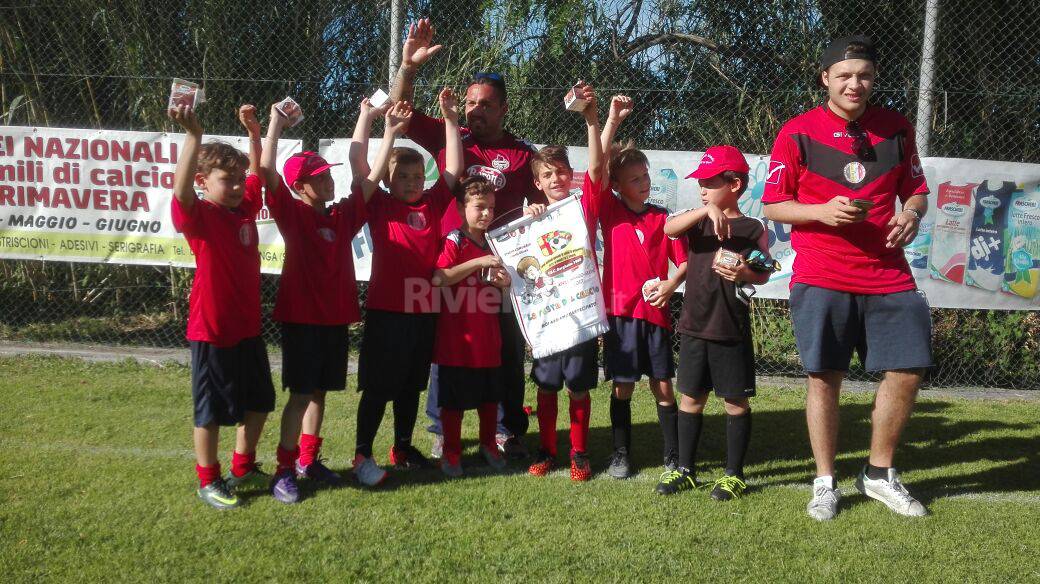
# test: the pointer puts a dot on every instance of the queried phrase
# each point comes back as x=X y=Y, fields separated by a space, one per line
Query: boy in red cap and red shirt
x=716 y=352
x=401 y=312
x=468 y=347
x=230 y=373
x=317 y=299
x=637 y=288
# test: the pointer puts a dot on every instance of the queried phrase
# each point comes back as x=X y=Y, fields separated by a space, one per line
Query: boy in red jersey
x=468 y=344
x=400 y=315
x=317 y=299
x=636 y=288
x=231 y=376
x=577 y=366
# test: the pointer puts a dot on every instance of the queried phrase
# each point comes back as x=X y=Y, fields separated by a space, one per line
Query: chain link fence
x=701 y=72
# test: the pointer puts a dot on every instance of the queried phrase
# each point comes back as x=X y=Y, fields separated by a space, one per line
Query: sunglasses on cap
x=860 y=141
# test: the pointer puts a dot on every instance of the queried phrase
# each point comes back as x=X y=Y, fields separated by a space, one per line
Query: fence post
x=396 y=16
x=927 y=79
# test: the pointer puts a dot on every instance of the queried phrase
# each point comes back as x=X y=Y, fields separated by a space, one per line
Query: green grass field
x=98 y=485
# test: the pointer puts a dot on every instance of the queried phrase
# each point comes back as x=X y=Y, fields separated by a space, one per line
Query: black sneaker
x=675 y=481
x=618 y=466
x=514 y=448
x=218 y=495
x=408 y=458
x=728 y=487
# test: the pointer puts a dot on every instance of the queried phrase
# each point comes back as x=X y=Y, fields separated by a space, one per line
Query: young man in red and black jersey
x=835 y=174
x=504 y=161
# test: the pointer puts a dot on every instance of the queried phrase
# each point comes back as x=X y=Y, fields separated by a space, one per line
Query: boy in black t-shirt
x=715 y=326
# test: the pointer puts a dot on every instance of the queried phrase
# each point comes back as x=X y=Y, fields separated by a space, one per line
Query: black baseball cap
x=838 y=50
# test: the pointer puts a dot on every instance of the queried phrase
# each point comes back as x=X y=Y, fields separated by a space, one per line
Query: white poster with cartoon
x=556 y=291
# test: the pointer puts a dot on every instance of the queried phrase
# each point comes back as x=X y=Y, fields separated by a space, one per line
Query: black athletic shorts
x=314 y=357
x=465 y=388
x=396 y=350
x=728 y=367
x=889 y=331
x=228 y=381
x=576 y=367
x=634 y=347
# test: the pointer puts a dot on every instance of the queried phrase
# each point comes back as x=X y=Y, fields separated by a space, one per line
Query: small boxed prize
x=572 y=102
x=291 y=110
x=650 y=288
x=727 y=258
x=186 y=93
x=378 y=98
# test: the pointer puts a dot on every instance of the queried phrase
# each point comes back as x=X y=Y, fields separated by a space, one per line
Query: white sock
x=826 y=480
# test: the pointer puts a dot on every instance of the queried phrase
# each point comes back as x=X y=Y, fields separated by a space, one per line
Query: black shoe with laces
x=409 y=458
x=618 y=466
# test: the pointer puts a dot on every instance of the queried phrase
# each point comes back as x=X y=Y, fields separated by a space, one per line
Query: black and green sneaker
x=728 y=487
x=254 y=480
x=218 y=495
x=677 y=480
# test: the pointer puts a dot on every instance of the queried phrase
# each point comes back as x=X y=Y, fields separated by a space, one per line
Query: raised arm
x=247 y=117
x=397 y=118
x=357 y=152
x=417 y=50
x=269 y=159
x=591 y=115
x=620 y=108
x=453 y=156
x=188 y=162
x=683 y=222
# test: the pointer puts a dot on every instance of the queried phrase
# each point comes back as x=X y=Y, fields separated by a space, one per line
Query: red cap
x=304 y=164
x=719 y=159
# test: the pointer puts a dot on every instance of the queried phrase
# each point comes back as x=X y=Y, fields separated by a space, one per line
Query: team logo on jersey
x=855 y=172
x=492 y=175
x=500 y=163
x=640 y=236
x=417 y=220
x=916 y=171
x=553 y=241
x=245 y=235
x=327 y=234
x=776 y=169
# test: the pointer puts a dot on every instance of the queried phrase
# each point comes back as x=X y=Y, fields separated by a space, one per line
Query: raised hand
x=185 y=117
x=620 y=107
x=398 y=117
x=247 y=117
x=417 y=48
x=371 y=112
x=449 y=105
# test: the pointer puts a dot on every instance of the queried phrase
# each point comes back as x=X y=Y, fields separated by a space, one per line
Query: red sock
x=451 y=426
x=488 y=412
x=581 y=411
x=242 y=463
x=309 y=447
x=207 y=474
x=287 y=458
x=547 y=412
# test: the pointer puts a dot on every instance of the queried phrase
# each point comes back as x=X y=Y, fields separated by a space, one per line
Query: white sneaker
x=891 y=492
x=824 y=503
x=437 y=449
x=367 y=471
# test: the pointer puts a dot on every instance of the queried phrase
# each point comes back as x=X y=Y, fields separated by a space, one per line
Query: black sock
x=406 y=411
x=689 y=436
x=369 y=415
x=668 y=418
x=738 y=434
x=877 y=472
x=621 y=421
